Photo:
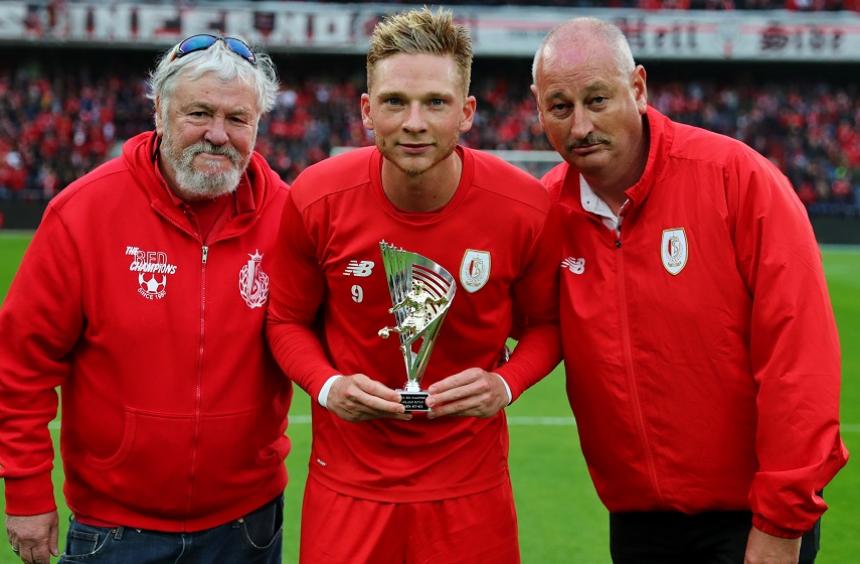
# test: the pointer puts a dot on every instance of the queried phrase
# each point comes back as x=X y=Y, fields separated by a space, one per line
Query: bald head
x=591 y=100
x=578 y=40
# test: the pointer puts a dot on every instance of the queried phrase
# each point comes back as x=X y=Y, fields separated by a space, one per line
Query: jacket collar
x=660 y=137
x=256 y=188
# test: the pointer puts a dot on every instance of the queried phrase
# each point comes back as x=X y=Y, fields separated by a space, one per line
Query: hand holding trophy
x=421 y=293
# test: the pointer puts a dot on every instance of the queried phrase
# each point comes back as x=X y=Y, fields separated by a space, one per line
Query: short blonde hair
x=421 y=31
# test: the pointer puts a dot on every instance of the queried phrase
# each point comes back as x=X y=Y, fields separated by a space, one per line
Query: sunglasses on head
x=204 y=41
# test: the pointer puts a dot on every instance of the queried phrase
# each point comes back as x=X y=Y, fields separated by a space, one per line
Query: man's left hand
x=763 y=548
x=470 y=393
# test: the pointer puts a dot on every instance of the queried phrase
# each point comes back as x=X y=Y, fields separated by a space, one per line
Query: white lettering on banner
x=12 y=23
x=508 y=31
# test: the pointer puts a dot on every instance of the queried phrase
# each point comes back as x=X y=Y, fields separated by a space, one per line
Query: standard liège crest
x=475 y=270
x=674 y=250
x=253 y=282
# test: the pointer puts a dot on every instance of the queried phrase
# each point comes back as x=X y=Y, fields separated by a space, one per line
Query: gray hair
x=226 y=65
x=590 y=28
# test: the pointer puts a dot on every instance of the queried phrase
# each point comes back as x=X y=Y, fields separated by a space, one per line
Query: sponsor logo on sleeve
x=152 y=268
x=674 y=250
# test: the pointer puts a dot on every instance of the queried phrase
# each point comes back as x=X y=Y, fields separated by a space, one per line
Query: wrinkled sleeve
x=794 y=350
x=296 y=294
x=40 y=322
x=535 y=295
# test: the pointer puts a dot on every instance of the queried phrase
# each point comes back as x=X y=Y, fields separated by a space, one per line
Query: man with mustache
x=143 y=296
x=386 y=485
x=701 y=352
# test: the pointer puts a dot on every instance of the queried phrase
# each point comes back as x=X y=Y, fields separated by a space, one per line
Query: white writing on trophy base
x=152 y=268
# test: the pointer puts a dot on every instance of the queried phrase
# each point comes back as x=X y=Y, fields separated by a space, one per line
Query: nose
x=581 y=124
x=414 y=122
x=216 y=133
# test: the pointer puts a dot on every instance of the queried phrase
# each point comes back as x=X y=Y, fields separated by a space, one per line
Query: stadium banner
x=507 y=31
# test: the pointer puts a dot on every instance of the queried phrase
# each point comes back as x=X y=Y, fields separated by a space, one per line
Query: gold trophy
x=421 y=293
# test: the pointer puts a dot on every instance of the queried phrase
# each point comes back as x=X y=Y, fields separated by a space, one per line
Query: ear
x=159 y=127
x=470 y=106
x=366 y=118
x=640 y=88
x=537 y=104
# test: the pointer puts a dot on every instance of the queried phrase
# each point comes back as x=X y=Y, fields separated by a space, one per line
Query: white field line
x=518 y=420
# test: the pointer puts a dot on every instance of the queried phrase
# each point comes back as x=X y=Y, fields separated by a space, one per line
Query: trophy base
x=414 y=401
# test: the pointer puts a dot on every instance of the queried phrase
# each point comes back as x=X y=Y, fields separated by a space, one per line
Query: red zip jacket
x=702 y=356
x=173 y=410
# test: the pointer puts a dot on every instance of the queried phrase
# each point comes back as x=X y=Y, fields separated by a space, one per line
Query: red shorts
x=470 y=529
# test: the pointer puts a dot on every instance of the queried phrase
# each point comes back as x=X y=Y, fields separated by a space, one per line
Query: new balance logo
x=575 y=265
x=362 y=269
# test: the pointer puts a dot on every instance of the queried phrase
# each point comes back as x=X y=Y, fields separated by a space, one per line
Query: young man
x=143 y=297
x=386 y=485
x=702 y=354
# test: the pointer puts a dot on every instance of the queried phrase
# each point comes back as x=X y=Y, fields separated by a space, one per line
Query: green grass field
x=560 y=518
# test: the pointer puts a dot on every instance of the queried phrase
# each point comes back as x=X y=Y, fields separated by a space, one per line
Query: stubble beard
x=195 y=184
x=412 y=172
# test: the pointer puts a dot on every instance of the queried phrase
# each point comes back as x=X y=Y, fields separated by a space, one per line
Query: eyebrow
x=595 y=86
x=398 y=94
x=211 y=109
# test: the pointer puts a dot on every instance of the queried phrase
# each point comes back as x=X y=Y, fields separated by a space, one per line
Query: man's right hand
x=34 y=536
x=359 y=398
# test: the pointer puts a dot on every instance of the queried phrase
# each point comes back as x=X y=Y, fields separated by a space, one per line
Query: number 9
x=357 y=293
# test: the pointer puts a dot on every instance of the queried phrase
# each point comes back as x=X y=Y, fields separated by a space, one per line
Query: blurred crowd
x=54 y=128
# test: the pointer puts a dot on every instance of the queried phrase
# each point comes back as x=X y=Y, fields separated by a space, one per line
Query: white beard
x=194 y=184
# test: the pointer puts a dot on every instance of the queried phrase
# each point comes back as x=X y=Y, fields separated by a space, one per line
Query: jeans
x=253 y=539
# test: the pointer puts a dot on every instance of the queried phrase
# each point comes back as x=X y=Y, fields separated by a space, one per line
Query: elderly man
x=143 y=297
x=702 y=354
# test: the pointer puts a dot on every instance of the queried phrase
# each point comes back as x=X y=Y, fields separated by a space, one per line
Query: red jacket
x=702 y=356
x=173 y=410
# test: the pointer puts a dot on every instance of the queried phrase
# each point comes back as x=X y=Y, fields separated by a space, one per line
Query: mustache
x=586 y=141
x=206 y=147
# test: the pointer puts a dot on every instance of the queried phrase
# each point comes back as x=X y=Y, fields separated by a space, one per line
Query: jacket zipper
x=197 y=388
x=628 y=362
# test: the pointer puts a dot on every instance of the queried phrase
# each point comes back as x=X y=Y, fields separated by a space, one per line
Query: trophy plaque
x=421 y=293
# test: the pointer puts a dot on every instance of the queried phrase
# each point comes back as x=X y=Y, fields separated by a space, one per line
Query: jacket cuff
x=32 y=495
x=768 y=527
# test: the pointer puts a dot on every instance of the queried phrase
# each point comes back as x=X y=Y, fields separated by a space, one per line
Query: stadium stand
x=54 y=128
x=72 y=86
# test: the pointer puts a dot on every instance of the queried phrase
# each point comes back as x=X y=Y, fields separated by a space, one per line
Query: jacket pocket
x=150 y=471
x=243 y=454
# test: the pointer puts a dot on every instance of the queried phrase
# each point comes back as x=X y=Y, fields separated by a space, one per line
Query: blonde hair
x=421 y=31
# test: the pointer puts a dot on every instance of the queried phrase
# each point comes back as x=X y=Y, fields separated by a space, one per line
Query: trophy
x=421 y=293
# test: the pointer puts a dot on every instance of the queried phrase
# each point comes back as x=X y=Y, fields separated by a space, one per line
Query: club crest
x=673 y=250
x=253 y=282
x=475 y=270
